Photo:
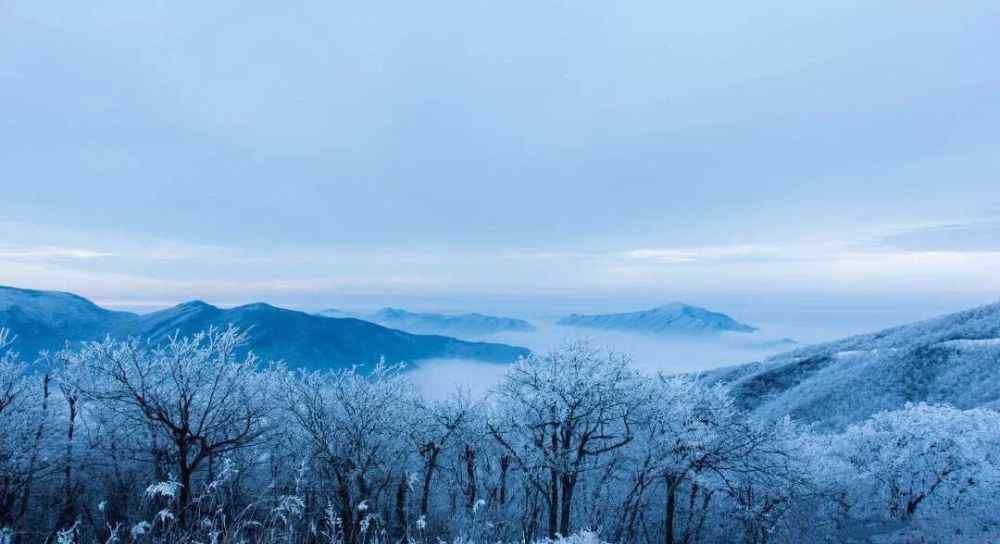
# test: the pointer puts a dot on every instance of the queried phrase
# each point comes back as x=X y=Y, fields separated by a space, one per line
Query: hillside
x=674 y=318
x=46 y=320
x=953 y=359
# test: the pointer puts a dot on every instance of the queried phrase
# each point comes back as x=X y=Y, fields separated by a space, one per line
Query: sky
x=319 y=154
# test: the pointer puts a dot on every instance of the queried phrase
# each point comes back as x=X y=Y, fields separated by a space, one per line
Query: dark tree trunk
x=429 y=467
x=671 y=509
x=566 y=508
x=689 y=522
x=69 y=493
x=504 y=467
x=470 y=472
x=553 y=505
x=401 y=520
x=184 y=497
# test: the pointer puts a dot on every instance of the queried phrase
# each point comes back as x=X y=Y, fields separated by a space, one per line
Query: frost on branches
x=195 y=440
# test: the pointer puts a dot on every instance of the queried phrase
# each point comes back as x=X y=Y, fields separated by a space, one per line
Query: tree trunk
x=692 y=504
x=566 y=508
x=671 y=509
x=69 y=494
x=504 y=467
x=429 y=468
x=470 y=472
x=401 y=521
x=554 y=505
x=184 y=498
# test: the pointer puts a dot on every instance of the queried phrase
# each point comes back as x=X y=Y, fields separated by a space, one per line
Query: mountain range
x=952 y=359
x=46 y=320
x=462 y=325
x=673 y=318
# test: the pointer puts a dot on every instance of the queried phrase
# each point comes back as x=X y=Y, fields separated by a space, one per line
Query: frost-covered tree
x=356 y=425
x=197 y=396
x=190 y=440
x=23 y=418
x=558 y=416
x=923 y=465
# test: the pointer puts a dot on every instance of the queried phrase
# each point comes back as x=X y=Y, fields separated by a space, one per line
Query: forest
x=195 y=440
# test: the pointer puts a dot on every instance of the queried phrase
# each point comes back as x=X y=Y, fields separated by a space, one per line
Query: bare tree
x=559 y=413
x=196 y=394
x=356 y=425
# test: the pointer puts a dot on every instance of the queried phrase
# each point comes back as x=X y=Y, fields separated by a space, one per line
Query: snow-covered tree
x=925 y=466
x=23 y=418
x=559 y=414
x=357 y=425
x=197 y=396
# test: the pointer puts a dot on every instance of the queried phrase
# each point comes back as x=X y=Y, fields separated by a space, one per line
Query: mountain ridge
x=47 y=320
x=466 y=324
x=672 y=318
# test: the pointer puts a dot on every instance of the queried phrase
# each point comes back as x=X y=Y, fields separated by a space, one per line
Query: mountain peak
x=257 y=306
x=194 y=304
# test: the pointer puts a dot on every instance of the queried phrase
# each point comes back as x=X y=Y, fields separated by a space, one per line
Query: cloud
x=42 y=253
x=703 y=255
x=968 y=237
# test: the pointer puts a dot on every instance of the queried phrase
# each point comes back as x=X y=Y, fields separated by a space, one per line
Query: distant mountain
x=452 y=325
x=674 y=318
x=46 y=320
x=954 y=359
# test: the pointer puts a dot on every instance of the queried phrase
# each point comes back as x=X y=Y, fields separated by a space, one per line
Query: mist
x=805 y=321
x=650 y=354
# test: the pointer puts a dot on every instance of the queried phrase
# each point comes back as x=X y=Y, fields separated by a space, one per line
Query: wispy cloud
x=958 y=237
x=41 y=253
x=707 y=254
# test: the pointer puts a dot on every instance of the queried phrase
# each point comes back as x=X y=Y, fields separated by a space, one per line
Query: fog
x=649 y=353
x=804 y=320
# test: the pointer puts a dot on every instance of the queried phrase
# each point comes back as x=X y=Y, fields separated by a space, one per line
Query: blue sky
x=152 y=152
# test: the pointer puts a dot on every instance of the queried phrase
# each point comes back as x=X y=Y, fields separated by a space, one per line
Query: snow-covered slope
x=953 y=359
x=47 y=320
x=674 y=318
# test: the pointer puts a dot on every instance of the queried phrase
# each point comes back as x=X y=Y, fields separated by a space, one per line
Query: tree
x=196 y=394
x=937 y=462
x=356 y=426
x=23 y=418
x=557 y=414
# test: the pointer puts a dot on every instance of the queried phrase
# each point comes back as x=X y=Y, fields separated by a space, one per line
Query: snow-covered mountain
x=44 y=320
x=462 y=325
x=674 y=318
x=953 y=359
